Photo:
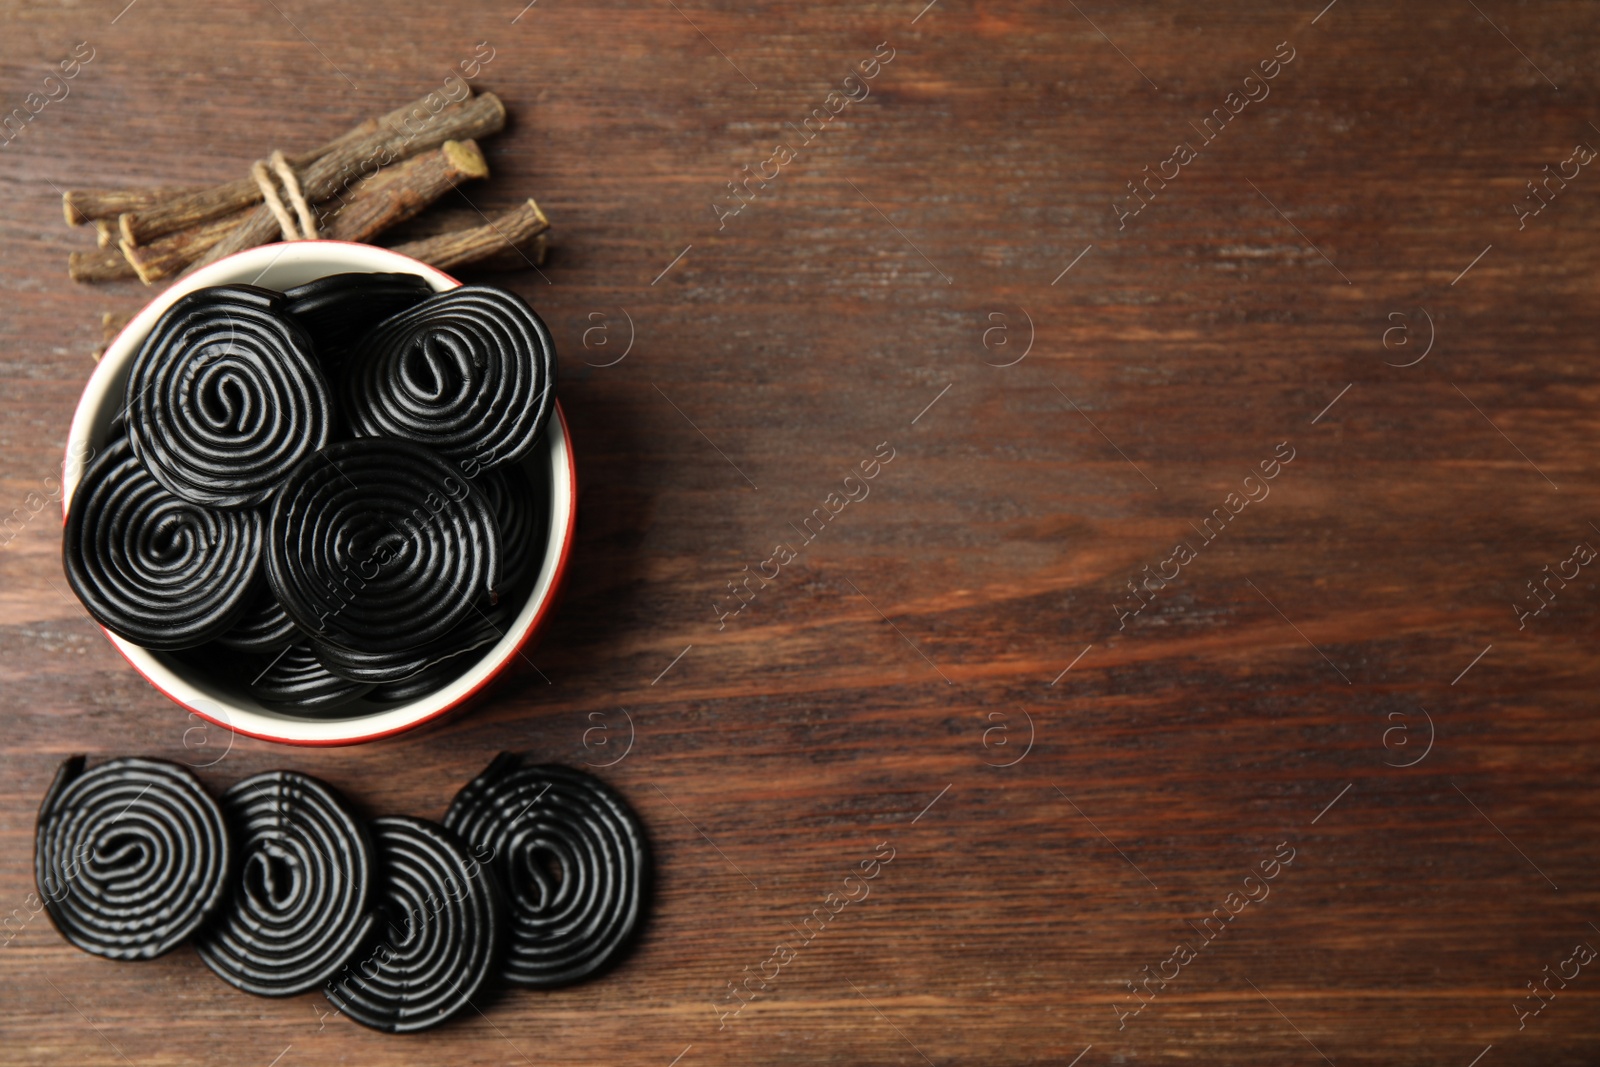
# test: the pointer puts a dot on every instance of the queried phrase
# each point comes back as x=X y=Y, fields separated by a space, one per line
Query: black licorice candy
x=469 y=372
x=299 y=903
x=131 y=856
x=380 y=546
x=152 y=567
x=339 y=309
x=295 y=680
x=225 y=397
x=442 y=921
x=263 y=626
x=574 y=860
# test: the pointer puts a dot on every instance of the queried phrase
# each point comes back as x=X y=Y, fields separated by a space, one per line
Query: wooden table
x=1331 y=683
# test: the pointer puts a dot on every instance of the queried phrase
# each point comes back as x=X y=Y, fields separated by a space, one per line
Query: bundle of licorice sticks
x=381 y=173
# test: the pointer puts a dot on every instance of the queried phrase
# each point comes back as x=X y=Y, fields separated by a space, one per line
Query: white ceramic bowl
x=280 y=266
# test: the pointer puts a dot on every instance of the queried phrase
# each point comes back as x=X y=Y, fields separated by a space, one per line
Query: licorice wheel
x=337 y=310
x=225 y=397
x=299 y=905
x=295 y=680
x=439 y=936
x=520 y=516
x=535 y=821
x=152 y=567
x=131 y=857
x=470 y=372
x=378 y=545
x=482 y=627
x=425 y=682
x=263 y=626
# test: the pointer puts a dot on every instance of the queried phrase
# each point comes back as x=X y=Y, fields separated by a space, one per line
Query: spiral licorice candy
x=299 y=904
x=534 y=821
x=380 y=546
x=438 y=939
x=225 y=397
x=263 y=627
x=338 y=310
x=295 y=680
x=482 y=627
x=520 y=516
x=130 y=857
x=425 y=682
x=469 y=372
x=151 y=567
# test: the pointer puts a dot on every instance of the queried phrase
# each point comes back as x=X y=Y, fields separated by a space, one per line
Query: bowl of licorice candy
x=321 y=493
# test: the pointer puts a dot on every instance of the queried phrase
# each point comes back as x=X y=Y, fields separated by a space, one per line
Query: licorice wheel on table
x=469 y=372
x=535 y=821
x=380 y=546
x=225 y=397
x=299 y=905
x=152 y=567
x=438 y=940
x=131 y=856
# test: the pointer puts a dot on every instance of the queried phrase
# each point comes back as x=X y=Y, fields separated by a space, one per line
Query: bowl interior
x=549 y=467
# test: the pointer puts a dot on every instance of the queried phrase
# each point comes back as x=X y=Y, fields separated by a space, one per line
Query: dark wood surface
x=1264 y=697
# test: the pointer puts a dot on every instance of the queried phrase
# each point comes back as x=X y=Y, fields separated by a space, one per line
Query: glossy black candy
x=293 y=679
x=442 y=920
x=225 y=397
x=520 y=516
x=482 y=628
x=340 y=309
x=470 y=372
x=131 y=857
x=154 y=568
x=263 y=626
x=380 y=546
x=298 y=906
x=535 y=820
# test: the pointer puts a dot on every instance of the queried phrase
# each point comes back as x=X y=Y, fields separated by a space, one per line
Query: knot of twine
x=307 y=229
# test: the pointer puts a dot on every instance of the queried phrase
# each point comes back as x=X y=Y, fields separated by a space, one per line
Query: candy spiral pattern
x=470 y=372
x=263 y=627
x=338 y=310
x=130 y=857
x=151 y=567
x=299 y=903
x=442 y=920
x=531 y=819
x=380 y=546
x=295 y=680
x=225 y=397
x=430 y=679
x=483 y=627
x=520 y=516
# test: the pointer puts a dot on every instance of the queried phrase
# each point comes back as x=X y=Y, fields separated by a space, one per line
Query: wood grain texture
x=858 y=287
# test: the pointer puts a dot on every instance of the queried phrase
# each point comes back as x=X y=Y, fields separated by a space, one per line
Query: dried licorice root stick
x=142 y=224
x=399 y=192
x=299 y=907
x=353 y=160
x=87 y=205
x=506 y=233
x=573 y=858
x=131 y=857
x=443 y=922
x=170 y=253
x=101 y=265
